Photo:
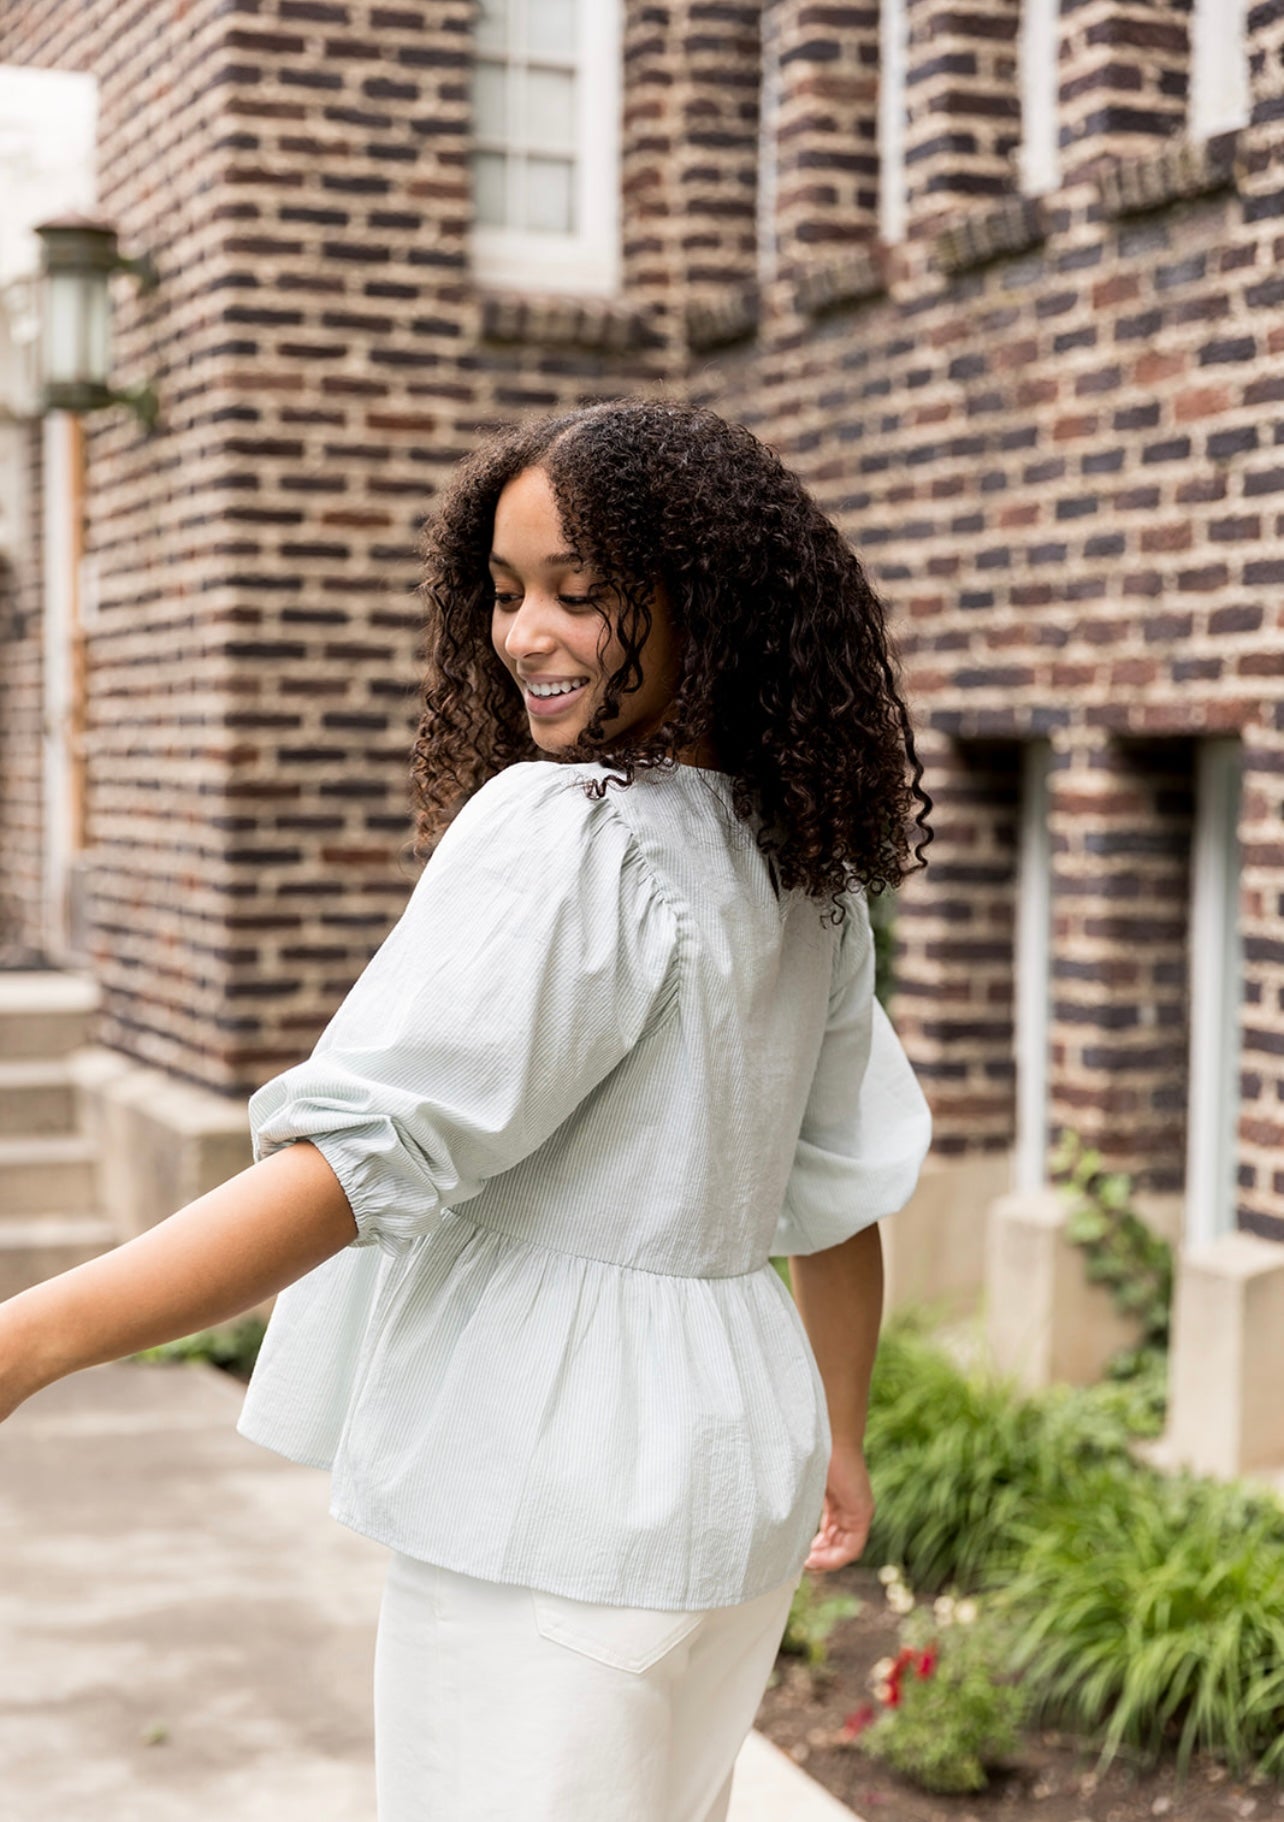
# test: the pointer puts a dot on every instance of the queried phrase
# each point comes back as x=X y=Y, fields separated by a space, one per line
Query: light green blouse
x=596 y=1076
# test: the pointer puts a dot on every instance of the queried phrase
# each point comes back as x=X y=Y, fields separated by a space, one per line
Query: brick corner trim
x=1011 y=226
x=1184 y=168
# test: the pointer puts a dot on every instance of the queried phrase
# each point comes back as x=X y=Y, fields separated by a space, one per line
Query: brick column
x=954 y=929
x=964 y=107
x=1121 y=821
x=1124 y=80
x=826 y=126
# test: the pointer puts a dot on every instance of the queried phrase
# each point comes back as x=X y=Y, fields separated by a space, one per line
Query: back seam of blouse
x=615 y=1265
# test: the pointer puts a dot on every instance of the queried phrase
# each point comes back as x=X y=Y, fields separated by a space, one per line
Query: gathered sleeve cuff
x=867 y=1127
x=535 y=951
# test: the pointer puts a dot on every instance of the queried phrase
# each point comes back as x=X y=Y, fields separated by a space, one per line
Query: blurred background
x=1000 y=280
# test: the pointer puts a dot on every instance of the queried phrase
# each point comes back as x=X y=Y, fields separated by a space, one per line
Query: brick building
x=998 y=279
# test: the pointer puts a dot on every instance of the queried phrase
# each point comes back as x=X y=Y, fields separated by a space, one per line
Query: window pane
x=550 y=28
x=549 y=122
x=492 y=25
x=490 y=101
x=549 y=192
x=490 y=187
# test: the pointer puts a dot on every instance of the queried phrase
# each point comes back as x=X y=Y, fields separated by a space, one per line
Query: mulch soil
x=1054 y=1780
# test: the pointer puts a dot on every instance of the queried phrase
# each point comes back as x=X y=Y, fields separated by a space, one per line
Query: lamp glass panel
x=97 y=328
x=62 y=340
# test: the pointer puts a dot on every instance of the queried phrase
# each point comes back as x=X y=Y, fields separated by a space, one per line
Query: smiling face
x=547 y=629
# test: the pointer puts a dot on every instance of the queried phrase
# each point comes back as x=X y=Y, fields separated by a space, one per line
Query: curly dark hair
x=787 y=670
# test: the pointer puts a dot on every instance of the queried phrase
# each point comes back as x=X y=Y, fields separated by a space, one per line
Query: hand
x=847 y=1514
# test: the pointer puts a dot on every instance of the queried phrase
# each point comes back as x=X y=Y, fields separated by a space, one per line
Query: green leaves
x=1141 y=1611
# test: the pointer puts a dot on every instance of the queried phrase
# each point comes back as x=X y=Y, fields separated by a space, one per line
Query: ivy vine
x=1121 y=1251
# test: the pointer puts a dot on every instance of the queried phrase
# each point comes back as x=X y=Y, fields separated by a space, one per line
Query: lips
x=542 y=706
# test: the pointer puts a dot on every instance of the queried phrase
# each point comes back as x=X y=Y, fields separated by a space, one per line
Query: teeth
x=555 y=689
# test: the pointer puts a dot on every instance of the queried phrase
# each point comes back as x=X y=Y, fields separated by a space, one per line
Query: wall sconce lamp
x=80 y=256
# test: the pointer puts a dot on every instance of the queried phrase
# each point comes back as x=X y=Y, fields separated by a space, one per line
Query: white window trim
x=1033 y=969
x=588 y=261
x=1039 y=50
x=768 y=155
x=893 y=64
x=1219 y=86
x=1216 y=970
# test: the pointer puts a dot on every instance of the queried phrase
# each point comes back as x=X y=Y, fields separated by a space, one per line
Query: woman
x=621 y=1047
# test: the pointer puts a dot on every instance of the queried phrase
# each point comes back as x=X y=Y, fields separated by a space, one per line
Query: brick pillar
x=1124 y=80
x=954 y=927
x=1121 y=822
x=963 y=127
x=1261 y=142
x=826 y=126
x=717 y=54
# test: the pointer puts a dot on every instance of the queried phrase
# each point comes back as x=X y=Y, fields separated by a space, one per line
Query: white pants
x=505 y=1704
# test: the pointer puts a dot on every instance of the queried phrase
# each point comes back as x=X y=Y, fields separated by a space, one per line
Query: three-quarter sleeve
x=866 y=1127
x=535 y=951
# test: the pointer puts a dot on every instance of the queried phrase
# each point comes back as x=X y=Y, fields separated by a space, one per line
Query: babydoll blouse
x=597 y=1075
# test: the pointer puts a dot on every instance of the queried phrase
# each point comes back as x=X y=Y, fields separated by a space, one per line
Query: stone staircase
x=49 y=1205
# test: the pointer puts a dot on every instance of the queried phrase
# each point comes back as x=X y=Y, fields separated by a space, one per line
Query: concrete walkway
x=185 y=1633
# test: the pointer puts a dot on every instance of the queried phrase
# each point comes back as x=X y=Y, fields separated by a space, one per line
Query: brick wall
x=1050 y=429
x=299 y=170
x=21 y=747
x=1051 y=432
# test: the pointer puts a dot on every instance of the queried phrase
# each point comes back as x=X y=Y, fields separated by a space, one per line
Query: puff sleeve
x=866 y=1127
x=535 y=950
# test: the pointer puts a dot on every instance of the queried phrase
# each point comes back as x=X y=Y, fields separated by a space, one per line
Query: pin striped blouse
x=597 y=1075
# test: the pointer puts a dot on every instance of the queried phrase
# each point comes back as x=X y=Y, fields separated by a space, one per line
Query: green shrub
x=1153 y=1610
x=812 y=1617
x=234 y=1346
x=955 y=1458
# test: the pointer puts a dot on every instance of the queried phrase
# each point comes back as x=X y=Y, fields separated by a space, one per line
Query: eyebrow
x=560 y=559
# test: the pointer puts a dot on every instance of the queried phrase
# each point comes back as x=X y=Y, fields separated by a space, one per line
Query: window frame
x=1038 y=52
x=893 y=89
x=586 y=261
x=1220 y=92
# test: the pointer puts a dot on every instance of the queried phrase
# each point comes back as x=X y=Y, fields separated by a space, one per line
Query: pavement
x=185 y=1632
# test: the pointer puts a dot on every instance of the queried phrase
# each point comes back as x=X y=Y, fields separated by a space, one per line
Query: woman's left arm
x=209 y=1262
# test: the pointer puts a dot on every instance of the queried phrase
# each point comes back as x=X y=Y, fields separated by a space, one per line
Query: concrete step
x=46 y=1175
x=35 y=1247
x=45 y=1014
x=36 y=1096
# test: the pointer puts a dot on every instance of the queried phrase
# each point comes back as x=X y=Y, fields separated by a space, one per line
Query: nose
x=529 y=631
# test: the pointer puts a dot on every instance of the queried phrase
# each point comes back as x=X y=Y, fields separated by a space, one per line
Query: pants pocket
x=629 y=1638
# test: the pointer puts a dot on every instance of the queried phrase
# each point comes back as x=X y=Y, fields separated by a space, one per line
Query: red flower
x=893 y=1691
x=857 y=1721
x=928 y=1660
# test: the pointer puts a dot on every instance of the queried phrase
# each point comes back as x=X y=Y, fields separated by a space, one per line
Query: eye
x=503 y=600
x=577 y=600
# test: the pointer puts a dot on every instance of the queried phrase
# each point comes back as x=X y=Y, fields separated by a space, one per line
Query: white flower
x=883 y=1693
x=880 y=1673
x=943 y=1608
x=888 y=1574
x=965 y=1612
x=899 y=1598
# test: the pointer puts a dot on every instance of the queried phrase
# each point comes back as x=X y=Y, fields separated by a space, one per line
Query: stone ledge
x=851 y=277
x=718 y=322
x=1012 y=226
x=161 y=1142
x=1183 y=168
x=596 y=325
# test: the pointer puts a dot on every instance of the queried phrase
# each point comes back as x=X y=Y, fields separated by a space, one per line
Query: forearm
x=839 y=1294
x=210 y=1261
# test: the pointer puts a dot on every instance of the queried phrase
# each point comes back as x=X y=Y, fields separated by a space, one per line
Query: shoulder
x=533 y=804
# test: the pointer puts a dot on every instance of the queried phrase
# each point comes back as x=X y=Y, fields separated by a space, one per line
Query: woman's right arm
x=212 y=1260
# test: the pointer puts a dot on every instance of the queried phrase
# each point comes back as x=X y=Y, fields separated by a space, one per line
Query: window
x=893 y=59
x=1039 y=50
x=1033 y=968
x=1219 y=97
x=546 y=144
x=1215 y=991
